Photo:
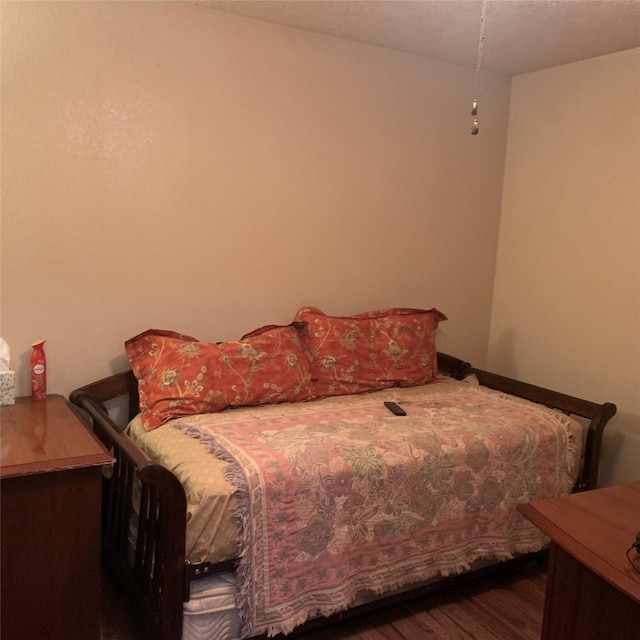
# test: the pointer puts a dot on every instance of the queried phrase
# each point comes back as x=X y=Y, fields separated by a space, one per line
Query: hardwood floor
x=505 y=606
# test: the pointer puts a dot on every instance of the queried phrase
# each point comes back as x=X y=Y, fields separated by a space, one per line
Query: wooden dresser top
x=595 y=527
x=45 y=435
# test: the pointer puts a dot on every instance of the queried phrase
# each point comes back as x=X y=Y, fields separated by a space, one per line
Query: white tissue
x=7 y=377
x=5 y=355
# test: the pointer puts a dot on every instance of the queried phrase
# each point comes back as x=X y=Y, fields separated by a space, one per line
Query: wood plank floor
x=505 y=606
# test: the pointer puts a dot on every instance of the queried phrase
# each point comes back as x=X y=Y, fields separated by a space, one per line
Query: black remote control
x=395 y=409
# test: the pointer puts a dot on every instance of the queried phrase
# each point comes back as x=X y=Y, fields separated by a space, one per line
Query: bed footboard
x=134 y=489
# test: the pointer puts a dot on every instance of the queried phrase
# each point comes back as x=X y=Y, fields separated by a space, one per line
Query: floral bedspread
x=340 y=499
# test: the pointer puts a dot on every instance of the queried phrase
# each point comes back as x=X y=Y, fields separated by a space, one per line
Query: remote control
x=395 y=409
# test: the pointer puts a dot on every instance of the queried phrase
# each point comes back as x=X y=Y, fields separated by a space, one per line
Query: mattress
x=212 y=502
x=212 y=531
x=211 y=612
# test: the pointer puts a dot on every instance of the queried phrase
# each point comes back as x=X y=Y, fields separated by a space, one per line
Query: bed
x=256 y=516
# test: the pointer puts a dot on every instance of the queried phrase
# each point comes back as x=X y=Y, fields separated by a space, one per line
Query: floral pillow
x=373 y=350
x=179 y=376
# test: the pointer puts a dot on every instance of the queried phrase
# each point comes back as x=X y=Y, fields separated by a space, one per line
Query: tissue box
x=7 y=387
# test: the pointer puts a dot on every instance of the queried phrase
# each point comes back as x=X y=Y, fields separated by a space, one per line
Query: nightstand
x=50 y=483
x=592 y=590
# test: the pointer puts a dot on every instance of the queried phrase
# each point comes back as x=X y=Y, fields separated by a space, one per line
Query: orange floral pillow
x=373 y=350
x=180 y=376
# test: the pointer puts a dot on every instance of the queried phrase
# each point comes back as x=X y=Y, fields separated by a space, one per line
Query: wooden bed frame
x=156 y=577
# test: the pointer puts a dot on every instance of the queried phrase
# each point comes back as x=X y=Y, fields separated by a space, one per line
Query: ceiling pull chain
x=474 y=106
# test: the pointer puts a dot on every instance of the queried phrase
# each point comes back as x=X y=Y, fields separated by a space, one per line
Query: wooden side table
x=592 y=591
x=50 y=482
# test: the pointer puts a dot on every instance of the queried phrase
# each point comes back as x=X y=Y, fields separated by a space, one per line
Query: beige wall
x=168 y=166
x=566 y=306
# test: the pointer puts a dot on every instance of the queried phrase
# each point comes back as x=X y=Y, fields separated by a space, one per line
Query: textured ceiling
x=520 y=35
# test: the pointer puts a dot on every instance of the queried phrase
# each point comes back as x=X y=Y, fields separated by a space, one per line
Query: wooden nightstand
x=592 y=590
x=50 y=481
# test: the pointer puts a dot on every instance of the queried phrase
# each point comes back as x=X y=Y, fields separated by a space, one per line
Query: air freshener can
x=38 y=371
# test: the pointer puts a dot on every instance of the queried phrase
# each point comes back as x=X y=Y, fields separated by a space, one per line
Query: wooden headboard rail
x=156 y=576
